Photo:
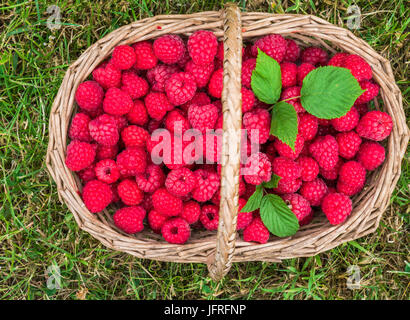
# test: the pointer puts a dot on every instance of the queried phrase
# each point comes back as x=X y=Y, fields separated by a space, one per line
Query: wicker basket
x=220 y=249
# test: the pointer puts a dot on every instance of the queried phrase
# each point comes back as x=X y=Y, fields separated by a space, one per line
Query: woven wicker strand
x=221 y=250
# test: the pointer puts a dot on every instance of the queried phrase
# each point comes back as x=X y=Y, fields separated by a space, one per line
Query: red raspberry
x=348 y=189
x=212 y=146
x=337 y=207
x=315 y=56
x=257 y=124
x=107 y=171
x=191 y=212
x=359 y=68
x=325 y=151
x=130 y=219
x=274 y=45
x=289 y=72
x=79 y=155
x=285 y=151
x=180 y=182
x=347 y=122
x=200 y=99
x=108 y=76
x=248 y=100
x=115 y=196
x=310 y=168
x=79 y=128
x=184 y=60
x=180 y=88
x=104 y=130
x=300 y=207
x=169 y=48
x=166 y=203
x=209 y=217
x=159 y=75
x=146 y=58
x=123 y=57
x=349 y=144
x=138 y=114
x=106 y=152
x=249 y=190
x=375 y=125
x=247 y=68
x=307 y=126
x=157 y=105
x=201 y=73
x=176 y=230
x=203 y=118
x=362 y=108
x=314 y=191
x=89 y=95
x=87 y=174
x=176 y=122
x=352 y=173
x=152 y=179
x=117 y=102
x=146 y=202
x=287 y=186
x=207 y=184
x=96 y=195
x=220 y=51
x=303 y=71
x=134 y=85
x=131 y=161
x=129 y=192
x=333 y=173
x=244 y=219
x=258 y=169
x=121 y=122
x=134 y=136
x=202 y=47
x=256 y=232
x=215 y=84
x=286 y=168
x=372 y=90
x=270 y=151
x=338 y=60
x=292 y=51
x=325 y=130
x=156 y=220
x=290 y=93
x=371 y=155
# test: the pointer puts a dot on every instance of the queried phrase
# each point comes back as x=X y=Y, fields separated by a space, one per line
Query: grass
x=37 y=231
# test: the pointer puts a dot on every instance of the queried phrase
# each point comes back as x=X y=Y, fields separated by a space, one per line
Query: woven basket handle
x=230 y=159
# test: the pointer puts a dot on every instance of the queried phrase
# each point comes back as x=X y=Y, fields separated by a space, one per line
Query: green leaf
x=266 y=80
x=277 y=216
x=273 y=183
x=284 y=123
x=254 y=200
x=329 y=92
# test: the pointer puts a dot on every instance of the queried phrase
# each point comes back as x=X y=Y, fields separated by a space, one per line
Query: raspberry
x=123 y=57
x=372 y=90
x=121 y=122
x=117 y=102
x=96 y=195
x=201 y=73
x=107 y=171
x=134 y=136
x=290 y=93
x=244 y=219
x=79 y=155
x=209 y=217
x=259 y=169
x=256 y=231
x=288 y=186
x=274 y=45
x=87 y=174
x=130 y=219
x=310 y=168
x=203 y=118
x=303 y=71
x=89 y=95
x=152 y=179
x=115 y=196
x=191 y=212
x=338 y=60
x=308 y=126
x=220 y=51
x=176 y=122
x=146 y=202
x=362 y=108
x=371 y=155
x=202 y=47
x=79 y=128
x=212 y=146
x=131 y=161
x=247 y=69
x=270 y=151
x=333 y=173
x=292 y=51
x=337 y=207
x=146 y=58
x=300 y=207
x=314 y=191
x=348 y=189
x=375 y=125
x=249 y=190
x=248 y=100
x=104 y=130
x=257 y=124
x=159 y=75
x=325 y=130
x=285 y=151
x=347 y=122
x=180 y=182
x=156 y=220
x=200 y=99
x=207 y=184
x=184 y=60
x=134 y=85
x=180 y=88
x=107 y=76
x=138 y=114
x=349 y=144
x=106 y=152
x=169 y=48
x=286 y=168
x=359 y=68
x=176 y=230
x=166 y=203
x=129 y=192
x=352 y=173
x=314 y=55
x=157 y=105
x=325 y=151
x=215 y=84
x=289 y=72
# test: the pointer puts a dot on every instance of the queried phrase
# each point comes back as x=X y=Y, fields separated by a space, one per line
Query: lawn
x=37 y=231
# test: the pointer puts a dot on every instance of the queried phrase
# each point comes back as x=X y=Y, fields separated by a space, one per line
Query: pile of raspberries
x=171 y=83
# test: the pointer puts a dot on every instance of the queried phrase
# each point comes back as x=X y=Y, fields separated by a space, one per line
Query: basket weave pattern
x=221 y=249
